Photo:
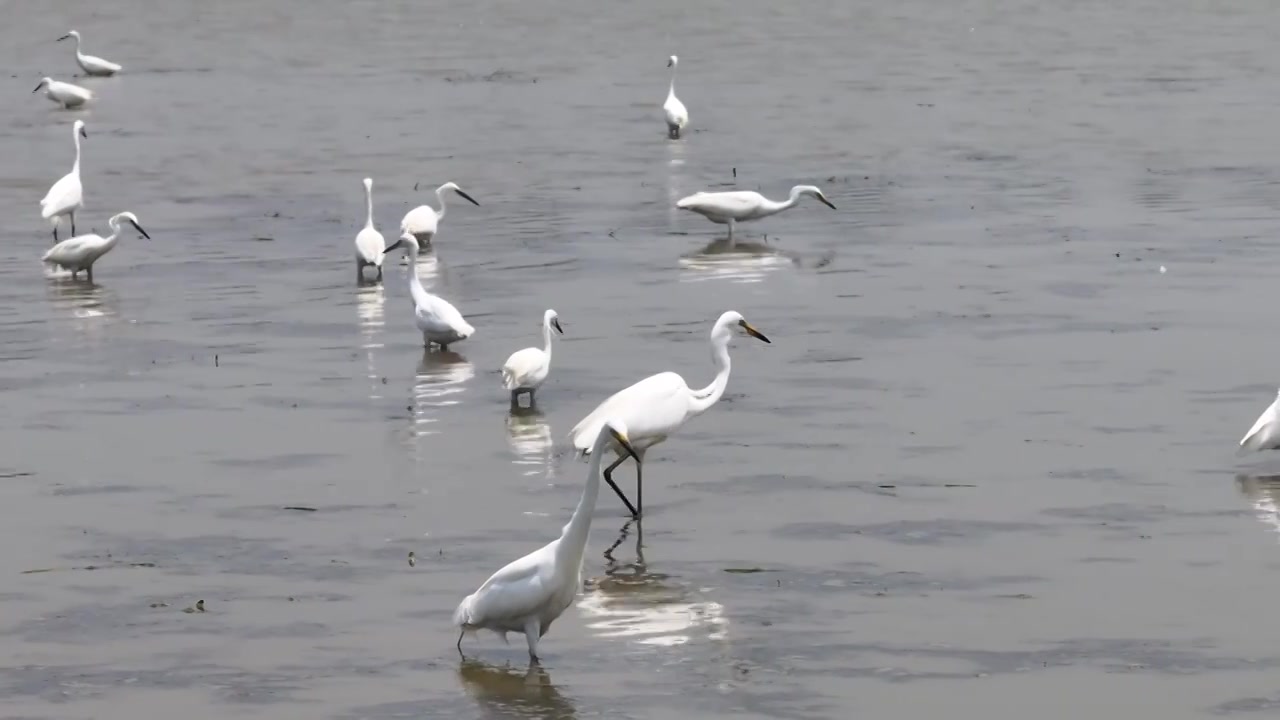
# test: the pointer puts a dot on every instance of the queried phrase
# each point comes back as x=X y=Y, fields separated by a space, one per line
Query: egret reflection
x=505 y=692
x=1263 y=493
x=741 y=262
x=530 y=439
x=650 y=608
x=439 y=384
x=369 y=308
x=82 y=300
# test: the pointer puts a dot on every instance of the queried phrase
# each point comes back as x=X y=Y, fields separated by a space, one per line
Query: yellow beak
x=623 y=442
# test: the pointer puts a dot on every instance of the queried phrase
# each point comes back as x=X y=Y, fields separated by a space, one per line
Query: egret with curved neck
x=66 y=195
x=676 y=114
x=90 y=64
x=529 y=594
x=64 y=93
x=728 y=208
x=437 y=319
x=659 y=405
x=423 y=221
x=81 y=252
x=527 y=369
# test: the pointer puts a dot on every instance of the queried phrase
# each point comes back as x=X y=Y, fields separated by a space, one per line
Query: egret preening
x=659 y=405
x=529 y=594
x=64 y=93
x=90 y=64
x=527 y=369
x=677 y=115
x=65 y=197
x=1265 y=433
x=370 y=244
x=80 y=253
x=440 y=322
x=727 y=208
x=422 y=221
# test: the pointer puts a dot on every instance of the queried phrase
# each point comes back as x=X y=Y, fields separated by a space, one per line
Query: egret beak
x=826 y=202
x=64 y=37
x=754 y=332
x=393 y=246
x=668 y=62
x=138 y=227
x=468 y=197
x=623 y=443
x=84 y=134
x=555 y=323
x=38 y=87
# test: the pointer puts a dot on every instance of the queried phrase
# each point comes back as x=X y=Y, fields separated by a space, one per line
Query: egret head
x=454 y=187
x=368 y=183
x=814 y=191
x=673 y=61
x=406 y=241
x=44 y=82
x=78 y=129
x=551 y=318
x=724 y=326
x=73 y=34
x=131 y=219
x=618 y=430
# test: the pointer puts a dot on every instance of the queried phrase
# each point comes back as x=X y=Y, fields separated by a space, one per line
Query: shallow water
x=986 y=463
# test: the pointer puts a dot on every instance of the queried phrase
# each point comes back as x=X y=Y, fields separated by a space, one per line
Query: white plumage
x=81 y=252
x=677 y=115
x=658 y=405
x=530 y=593
x=370 y=245
x=439 y=321
x=1265 y=433
x=66 y=195
x=423 y=221
x=64 y=93
x=727 y=208
x=527 y=369
x=90 y=64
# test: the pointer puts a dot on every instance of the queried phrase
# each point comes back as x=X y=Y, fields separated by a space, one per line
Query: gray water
x=986 y=464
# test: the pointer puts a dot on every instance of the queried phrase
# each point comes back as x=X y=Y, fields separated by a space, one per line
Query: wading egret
x=65 y=197
x=422 y=221
x=529 y=594
x=1265 y=433
x=677 y=115
x=370 y=244
x=80 y=253
x=90 y=64
x=658 y=405
x=727 y=208
x=64 y=93
x=440 y=322
x=527 y=369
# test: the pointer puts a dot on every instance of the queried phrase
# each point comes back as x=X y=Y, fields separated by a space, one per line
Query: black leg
x=73 y=224
x=460 y=634
x=90 y=272
x=55 y=234
x=608 y=477
x=639 y=487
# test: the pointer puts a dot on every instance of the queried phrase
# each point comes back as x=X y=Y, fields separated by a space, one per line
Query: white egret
x=527 y=369
x=529 y=594
x=90 y=64
x=727 y=208
x=80 y=253
x=64 y=93
x=677 y=115
x=1265 y=433
x=658 y=405
x=370 y=244
x=440 y=322
x=66 y=195
x=422 y=221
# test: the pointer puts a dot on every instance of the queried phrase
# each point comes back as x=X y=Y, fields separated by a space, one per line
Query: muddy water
x=986 y=463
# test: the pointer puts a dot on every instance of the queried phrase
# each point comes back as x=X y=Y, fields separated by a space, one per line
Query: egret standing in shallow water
x=65 y=197
x=64 y=93
x=727 y=208
x=80 y=253
x=527 y=369
x=659 y=405
x=529 y=594
x=440 y=322
x=422 y=221
x=1265 y=433
x=90 y=64
x=677 y=115
x=370 y=244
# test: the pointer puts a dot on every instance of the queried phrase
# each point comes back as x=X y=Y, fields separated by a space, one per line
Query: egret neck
x=703 y=399
x=573 y=540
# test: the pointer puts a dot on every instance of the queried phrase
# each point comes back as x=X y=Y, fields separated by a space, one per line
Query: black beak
x=826 y=202
x=555 y=323
x=138 y=227
x=668 y=63
x=38 y=88
x=624 y=444
x=64 y=37
x=468 y=197
x=84 y=134
x=754 y=332
x=394 y=245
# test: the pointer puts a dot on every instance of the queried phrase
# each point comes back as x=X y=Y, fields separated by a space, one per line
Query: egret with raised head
x=66 y=195
x=423 y=221
x=370 y=245
x=90 y=64
x=527 y=369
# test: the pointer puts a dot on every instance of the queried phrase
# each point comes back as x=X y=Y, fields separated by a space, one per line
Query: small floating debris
x=412 y=560
x=199 y=607
x=300 y=508
x=744 y=571
x=159 y=605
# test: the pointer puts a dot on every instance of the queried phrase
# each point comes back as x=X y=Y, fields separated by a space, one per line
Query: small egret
x=1265 y=433
x=658 y=405
x=66 y=195
x=527 y=369
x=677 y=115
x=90 y=64
x=727 y=208
x=64 y=93
x=422 y=221
x=529 y=594
x=80 y=253
x=440 y=322
x=370 y=244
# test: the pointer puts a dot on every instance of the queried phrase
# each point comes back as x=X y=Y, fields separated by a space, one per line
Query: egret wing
x=370 y=244
x=1260 y=432
x=518 y=589
x=521 y=365
x=652 y=406
x=729 y=203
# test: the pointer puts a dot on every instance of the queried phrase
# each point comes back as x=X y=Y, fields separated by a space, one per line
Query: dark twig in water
x=299 y=507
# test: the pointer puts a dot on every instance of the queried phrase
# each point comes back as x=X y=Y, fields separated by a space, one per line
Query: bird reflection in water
x=742 y=261
x=530 y=439
x=1263 y=493
x=81 y=299
x=504 y=692
x=632 y=601
x=369 y=306
x=439 y=384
